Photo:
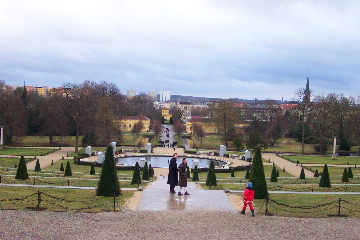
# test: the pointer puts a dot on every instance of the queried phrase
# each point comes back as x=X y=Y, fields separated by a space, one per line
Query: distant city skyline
x=206 y=48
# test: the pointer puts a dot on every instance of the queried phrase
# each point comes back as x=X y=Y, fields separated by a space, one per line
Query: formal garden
x=78 y=191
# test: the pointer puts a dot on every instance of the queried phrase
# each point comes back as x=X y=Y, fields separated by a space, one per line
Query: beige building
x=165 y=112
x=211 y=127
x=126 y=123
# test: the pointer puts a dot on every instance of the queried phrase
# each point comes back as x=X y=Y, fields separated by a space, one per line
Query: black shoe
x=179 y=193
x=186 y=193
x=242 y=212
x=252 y=213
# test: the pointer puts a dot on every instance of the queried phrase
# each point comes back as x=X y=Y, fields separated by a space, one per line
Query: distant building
x=166 y=114
x=152 y=95
x=42 y=91
x=164 y=96
x=210 y=126
x=130 y=93
x=126 y=123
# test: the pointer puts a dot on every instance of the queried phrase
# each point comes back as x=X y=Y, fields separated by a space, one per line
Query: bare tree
x=225 y=114
x=106 y=130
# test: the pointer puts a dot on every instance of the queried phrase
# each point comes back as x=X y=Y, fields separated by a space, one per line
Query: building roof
x=139 y=118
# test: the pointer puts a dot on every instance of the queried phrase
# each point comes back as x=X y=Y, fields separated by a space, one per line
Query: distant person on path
x=173 y=173
x=248 y=199
x=182 y=177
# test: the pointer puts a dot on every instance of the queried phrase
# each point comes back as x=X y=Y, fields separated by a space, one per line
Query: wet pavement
x=158 y=198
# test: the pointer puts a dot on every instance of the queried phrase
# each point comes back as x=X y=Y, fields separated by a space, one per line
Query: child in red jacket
x=248 y=199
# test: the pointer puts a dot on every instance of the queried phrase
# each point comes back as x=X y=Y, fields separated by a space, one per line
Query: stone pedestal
x=148 y=147
x=222 y=150
x=101 y=157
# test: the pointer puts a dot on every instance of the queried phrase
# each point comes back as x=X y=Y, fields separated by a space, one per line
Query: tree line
x=88 y=111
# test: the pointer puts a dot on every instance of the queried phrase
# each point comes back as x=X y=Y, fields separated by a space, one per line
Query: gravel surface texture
x=170 y=225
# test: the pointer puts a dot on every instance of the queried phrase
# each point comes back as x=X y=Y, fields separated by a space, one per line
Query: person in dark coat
x=173 y=173
x=182 y=177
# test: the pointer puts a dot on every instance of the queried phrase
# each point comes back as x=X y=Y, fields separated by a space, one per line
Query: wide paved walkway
x=46 y=160
x=158 y=198
x=289 y=166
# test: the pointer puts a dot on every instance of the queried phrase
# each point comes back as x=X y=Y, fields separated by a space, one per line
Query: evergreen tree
x=302 y=174
x=345 y=177
x=92 y=170
x=316 y=174
x=232 y=172
x=195 y=177
x=273 y=175
x=62 y=167
x=277 y=173
x=247 y=174
x=37 y=166
x=350 y=174
x=136 y=176
x=188 y=172
x=211 y=177
x=21 y=172
x=145 y=175
x=108 y=184
x=68 y=171
x=151 y=173
x=257 y=176
x=325 y=178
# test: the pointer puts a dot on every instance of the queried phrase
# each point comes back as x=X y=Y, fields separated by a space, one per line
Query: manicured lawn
x=59 y=199
x=308 y=205
x=9 y=162
x=324 y=160
x=27 y=151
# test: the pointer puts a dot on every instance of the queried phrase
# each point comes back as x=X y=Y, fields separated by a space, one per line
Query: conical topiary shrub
x=316 y=174
x=302 y=174
x=247 y=174
x=21 y=172
x=345 y=177
x=188 y=172
x=62 y=167
x=232 y=172
x=273 y=177
x=350 y=174
x=37 y=166
x=68 y=171
x=325 y=178
x=136 y=179
x=92 y=170
x=257 y=176
x=145 y=175
x=211 y=177
x=195 y=177
x=108 y=185
x=277 y=173
x=151 y=173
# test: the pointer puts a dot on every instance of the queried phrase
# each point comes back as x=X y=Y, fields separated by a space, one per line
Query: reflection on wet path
x=159 y=198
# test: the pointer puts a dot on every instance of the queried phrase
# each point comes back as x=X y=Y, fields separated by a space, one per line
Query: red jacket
x=248 y=195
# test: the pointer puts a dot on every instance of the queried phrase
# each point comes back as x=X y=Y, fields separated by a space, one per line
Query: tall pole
x=334 y=149
x=2 y=137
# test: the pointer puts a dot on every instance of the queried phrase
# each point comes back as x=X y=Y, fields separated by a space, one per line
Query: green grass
x=324 y=160
x=59 y=199
x=241 y=174
x=287 y=205
x=9 y=162
x=37 y=141
x=26 y=151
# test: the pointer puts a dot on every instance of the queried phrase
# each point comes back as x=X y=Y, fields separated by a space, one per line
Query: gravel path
x=170 y=225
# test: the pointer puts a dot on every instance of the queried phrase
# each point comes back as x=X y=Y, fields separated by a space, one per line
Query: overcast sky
x=212 y=48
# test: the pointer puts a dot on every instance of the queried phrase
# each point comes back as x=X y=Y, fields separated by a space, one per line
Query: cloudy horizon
x=205 y=48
